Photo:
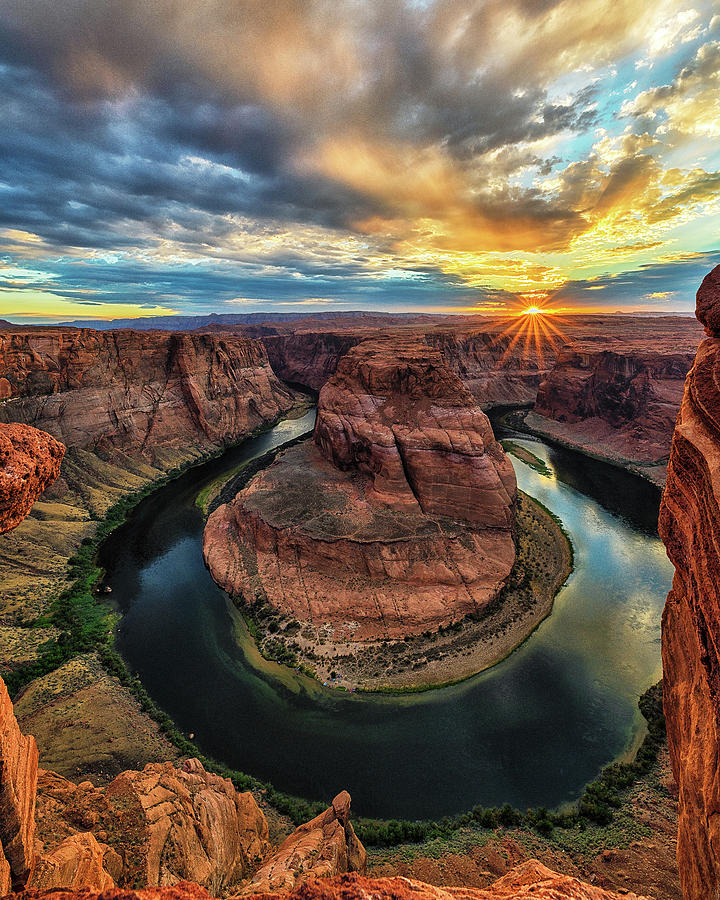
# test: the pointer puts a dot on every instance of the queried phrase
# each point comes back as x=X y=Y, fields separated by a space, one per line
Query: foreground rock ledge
x=530 y=881
x=397 y=518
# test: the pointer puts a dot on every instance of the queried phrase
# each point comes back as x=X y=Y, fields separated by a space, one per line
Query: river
x=531 y=731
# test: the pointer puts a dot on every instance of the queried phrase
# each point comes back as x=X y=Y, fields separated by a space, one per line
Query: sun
x=540 y=338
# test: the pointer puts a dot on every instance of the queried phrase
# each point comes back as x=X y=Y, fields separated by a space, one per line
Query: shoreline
x=516 y=419
x=297 y=808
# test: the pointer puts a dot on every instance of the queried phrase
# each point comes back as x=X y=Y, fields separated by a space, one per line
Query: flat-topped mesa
x=398 y=518
x=690 y=528
x=396 y=413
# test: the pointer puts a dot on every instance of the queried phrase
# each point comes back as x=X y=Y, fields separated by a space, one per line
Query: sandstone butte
x=138 y=392
x=29 y=462
x=690 y=528
x=396 y=518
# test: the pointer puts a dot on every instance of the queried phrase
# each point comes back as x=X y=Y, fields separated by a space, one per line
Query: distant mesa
x=396 y=518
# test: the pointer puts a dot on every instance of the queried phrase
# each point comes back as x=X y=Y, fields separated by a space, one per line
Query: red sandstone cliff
x=137 y=391
x=690 y=527
x=399 y=517
x=29 y=462
x=617 y=398
x=18 y=781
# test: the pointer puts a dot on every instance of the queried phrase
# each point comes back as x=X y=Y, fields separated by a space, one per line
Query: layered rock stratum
x=690 y=528
x=29 y=462
x=396 y=518
x=138 y=392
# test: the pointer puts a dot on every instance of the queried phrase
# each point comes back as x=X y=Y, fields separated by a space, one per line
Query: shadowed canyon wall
x=137 y=391
x=690 y=527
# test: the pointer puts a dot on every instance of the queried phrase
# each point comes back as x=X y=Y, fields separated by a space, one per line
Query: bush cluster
x=597 y=806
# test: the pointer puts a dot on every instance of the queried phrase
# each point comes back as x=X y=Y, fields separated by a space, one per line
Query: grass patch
x=529 y=458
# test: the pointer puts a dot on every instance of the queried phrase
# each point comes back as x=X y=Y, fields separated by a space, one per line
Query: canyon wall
x=29 y=462
x=397 y=518
x=137 y=392
x=690 y=527
x=493 y=371
x=617 y=399
x=308 y=358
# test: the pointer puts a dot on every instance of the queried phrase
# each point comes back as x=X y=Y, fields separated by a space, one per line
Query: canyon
x=396 y=518
x=140 y=392
x=608 y=385
x=166 y=399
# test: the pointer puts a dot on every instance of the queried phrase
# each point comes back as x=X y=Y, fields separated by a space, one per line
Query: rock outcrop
x=138 y=392
x=18 y=782
x=157 y=827
x=29 y=462
x=397 y=518
x=318 y=849
x=530 y=881
x=690 y=527
x=79 y=862
x=395 y=413
x=167 y=823
x=197 y=827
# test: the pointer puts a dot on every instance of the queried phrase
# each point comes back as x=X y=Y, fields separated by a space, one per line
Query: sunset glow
x=196 y=157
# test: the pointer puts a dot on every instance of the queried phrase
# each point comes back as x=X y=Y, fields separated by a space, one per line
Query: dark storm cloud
x=103 y=100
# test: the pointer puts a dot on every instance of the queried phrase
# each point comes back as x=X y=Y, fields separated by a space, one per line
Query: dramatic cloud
x=433 y=153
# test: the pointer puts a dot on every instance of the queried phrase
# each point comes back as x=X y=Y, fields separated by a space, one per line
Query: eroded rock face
x=318 y=849
x=623 y=399
x=398 y=517
x=29 y=462
x=308 y=358
x=79 y=862
x=690 y=527
x=18 y=781
x=138 y=391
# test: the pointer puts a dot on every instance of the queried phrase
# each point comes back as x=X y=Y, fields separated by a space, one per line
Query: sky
x=462 y=156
